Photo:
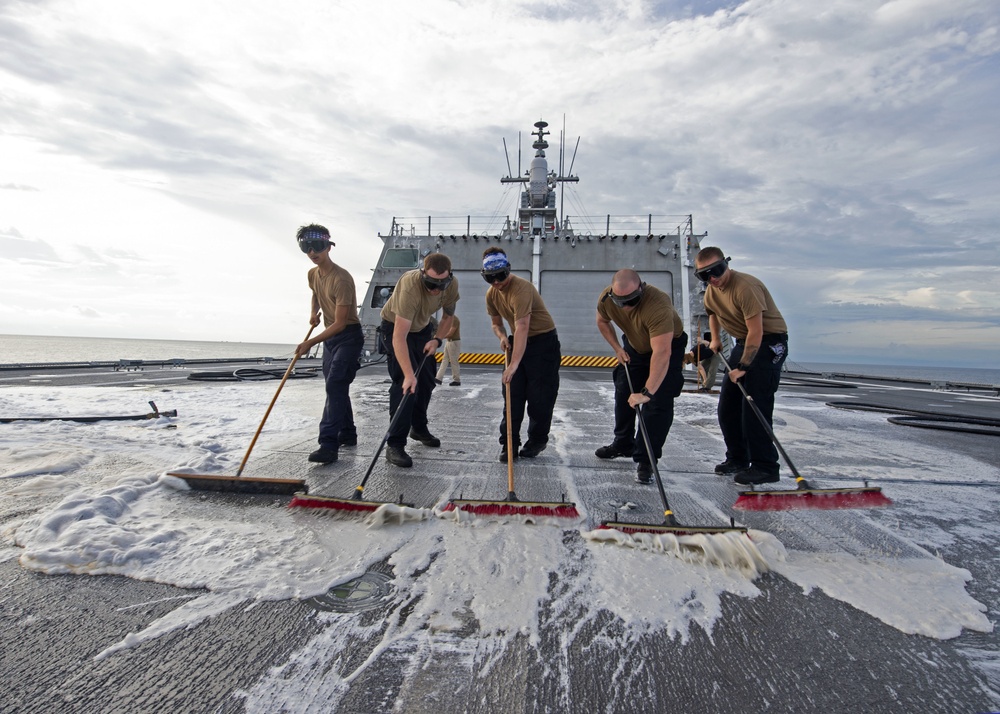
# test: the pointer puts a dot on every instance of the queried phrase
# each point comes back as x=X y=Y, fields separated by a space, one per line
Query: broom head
x=812 y=498
x=562 y=509
x=237 y=484
x=675 y=529
x=301 y=500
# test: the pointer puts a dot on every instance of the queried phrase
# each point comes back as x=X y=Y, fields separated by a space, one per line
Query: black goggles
x=496 y=276
x=437 y=283
x=313 y=246
x=630 y=300
x=715 y=270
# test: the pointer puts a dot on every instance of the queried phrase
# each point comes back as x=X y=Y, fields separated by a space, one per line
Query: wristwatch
x=646 y=393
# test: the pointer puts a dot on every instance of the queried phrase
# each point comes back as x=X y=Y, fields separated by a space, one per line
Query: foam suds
x=396 y=513
x=724 y=550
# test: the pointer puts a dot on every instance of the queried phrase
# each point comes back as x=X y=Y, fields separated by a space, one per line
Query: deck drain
x=364 y=593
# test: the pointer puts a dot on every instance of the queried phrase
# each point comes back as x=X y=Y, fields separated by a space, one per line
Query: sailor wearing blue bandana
x=534 y=353
x=333 y=297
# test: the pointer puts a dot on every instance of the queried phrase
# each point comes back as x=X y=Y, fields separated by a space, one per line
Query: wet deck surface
x=783 y=651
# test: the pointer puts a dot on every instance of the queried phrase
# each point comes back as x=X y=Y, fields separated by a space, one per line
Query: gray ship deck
x=784 y=649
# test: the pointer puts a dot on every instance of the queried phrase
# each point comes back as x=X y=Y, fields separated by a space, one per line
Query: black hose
x=926 y=419
x=249 y=374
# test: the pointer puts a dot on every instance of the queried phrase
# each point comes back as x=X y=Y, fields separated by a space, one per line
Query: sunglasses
x=313 y=246
x=715 y=270
x=437 y=283
x=630 y=300
x=497 y=276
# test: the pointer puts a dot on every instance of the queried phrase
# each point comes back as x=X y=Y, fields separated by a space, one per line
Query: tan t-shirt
x=652 y=317
x=744 y=297
x=333 y=289
x=412 y=301
x=455 y=335
x=520 y=299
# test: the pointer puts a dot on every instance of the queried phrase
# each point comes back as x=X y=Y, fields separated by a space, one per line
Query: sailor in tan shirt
x=410 y=345
x=334 y=297
x=533 y=365
x=741 y=305
x=652 y=356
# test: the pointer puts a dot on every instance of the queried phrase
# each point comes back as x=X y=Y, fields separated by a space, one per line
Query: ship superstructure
x=569 y=259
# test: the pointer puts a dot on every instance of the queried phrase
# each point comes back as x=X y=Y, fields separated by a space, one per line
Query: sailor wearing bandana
x=652 y=350
x=332 y=295
x=407 y=332
x=534 y=353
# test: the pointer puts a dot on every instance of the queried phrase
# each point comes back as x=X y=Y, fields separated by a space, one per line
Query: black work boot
x=643 y=473
x=730 y=467
x=531 y=449
x=397 y=456
x=613 y=450
x=424 y=437
x=502 y=456
x=323 y=455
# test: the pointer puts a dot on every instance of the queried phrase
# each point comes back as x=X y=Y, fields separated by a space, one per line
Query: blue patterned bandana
x=495 y=262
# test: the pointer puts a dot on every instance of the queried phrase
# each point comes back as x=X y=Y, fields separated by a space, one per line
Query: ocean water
x=33 y=349
x=965 y=375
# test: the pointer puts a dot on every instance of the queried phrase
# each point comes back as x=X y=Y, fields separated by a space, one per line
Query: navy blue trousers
x=340 y=365
x=658 y=413
x=415 y=407
x=535 y=386
x=747 y=441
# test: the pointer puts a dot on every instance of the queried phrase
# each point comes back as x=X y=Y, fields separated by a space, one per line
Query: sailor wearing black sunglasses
x=742 y=305
x=533 y=368
x=334 y=297
x=407 y=334
x=653 y=345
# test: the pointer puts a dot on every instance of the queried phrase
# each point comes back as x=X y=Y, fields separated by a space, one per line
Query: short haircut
x=709 y=254
x=438 y=262
x=493 y=250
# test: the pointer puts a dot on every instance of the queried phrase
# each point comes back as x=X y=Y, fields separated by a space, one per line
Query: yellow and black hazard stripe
x=567 y=360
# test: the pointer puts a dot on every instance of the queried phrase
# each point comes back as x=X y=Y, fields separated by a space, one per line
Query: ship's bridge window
x=400 y=258
x=381 y=294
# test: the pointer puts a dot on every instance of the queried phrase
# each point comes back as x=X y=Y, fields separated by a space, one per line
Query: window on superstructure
x=401 y=258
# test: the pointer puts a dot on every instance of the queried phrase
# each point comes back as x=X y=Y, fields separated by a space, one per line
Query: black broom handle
x=667 y=512
x=392 y=423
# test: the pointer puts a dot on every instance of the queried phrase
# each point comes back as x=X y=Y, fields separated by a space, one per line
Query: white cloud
x=158 y=159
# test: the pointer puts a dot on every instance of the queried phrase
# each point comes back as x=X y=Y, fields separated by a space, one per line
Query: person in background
x=452 y=351
x=534 y=353
x=652 y=350
x=333 y=297
x=409 y=336
x=707 y=360
x=741 y=305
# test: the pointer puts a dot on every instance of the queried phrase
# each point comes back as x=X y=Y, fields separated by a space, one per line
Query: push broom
x=670 y=523
x=216 y=482
x=804 y=496
x=512 y=505
x=357 y=502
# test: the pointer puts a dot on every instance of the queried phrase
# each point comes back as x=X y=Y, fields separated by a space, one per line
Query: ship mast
x=537 y=219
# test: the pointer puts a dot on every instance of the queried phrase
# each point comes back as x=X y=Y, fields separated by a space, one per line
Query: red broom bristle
x=814 y=499
x=341 y=504
x=515 y=509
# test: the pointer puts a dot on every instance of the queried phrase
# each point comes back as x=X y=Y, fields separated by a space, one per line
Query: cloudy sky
x=156 y=159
